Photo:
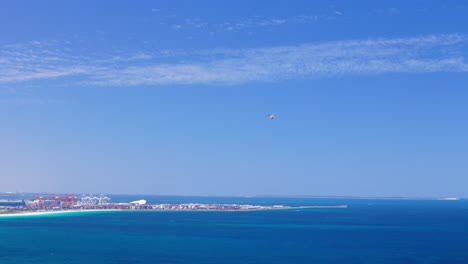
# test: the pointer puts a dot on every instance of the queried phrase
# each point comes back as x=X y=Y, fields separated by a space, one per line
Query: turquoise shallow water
x=369 y=231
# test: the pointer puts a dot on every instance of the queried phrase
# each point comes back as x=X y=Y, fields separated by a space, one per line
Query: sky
x=173 y=97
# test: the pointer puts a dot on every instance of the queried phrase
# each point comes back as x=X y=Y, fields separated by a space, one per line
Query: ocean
x=368 y=231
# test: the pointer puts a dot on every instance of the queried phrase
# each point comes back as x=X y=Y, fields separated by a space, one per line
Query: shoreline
x=58 y=212
x=67 y=212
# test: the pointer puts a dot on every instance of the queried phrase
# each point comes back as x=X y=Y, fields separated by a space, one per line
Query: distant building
x=139 y=202
x=12 y=203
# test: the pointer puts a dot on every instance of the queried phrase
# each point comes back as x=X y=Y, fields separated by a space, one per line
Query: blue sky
x=172 y=97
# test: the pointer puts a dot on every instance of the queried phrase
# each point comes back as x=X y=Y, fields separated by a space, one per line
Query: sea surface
x=368 y=231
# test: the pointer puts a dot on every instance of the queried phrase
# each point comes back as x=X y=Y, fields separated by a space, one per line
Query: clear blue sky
x=172 y=97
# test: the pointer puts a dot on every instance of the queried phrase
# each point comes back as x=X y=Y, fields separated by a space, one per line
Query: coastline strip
x=60 y=212
x=67 y=212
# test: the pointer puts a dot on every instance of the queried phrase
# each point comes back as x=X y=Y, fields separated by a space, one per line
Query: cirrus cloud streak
x=426 y=54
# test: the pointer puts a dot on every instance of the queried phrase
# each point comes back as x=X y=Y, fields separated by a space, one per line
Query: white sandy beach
x=45 y=213
x=63 y=212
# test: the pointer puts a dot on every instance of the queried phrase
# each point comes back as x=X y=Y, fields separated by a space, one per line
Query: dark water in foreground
x=369 y=231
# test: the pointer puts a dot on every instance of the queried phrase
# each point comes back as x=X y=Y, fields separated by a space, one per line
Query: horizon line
x=396 y=197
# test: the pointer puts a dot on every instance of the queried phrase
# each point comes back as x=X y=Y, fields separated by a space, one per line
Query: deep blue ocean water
x=369 y=231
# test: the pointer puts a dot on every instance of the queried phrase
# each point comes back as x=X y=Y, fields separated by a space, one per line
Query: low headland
x=71 y=204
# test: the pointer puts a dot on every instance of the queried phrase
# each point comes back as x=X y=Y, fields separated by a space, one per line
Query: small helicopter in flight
x=271 y=116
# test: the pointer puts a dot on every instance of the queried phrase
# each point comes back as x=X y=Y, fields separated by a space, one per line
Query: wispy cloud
x=255 y=22
x=190 y=23
x=38 y=60
x=247 y=23
x=162 y=9
x=433 y=53
x=388 y=11
x=250 y=23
